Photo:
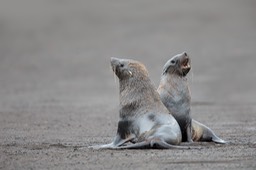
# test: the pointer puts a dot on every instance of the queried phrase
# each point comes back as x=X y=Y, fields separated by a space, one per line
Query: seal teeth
x=185 y=63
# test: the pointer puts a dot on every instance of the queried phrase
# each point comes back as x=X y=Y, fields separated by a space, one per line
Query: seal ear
x=167 y=66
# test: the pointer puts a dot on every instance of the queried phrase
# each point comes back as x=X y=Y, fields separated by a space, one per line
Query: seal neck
x=137 y=94
x=173 y=81
x=174 y=92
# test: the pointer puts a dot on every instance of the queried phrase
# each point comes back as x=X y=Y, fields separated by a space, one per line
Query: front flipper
x=189 y=134
x=105 y=146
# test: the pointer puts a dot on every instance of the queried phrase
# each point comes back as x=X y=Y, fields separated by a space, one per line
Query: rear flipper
x=204 y=134
x=154 y=144
x=216 y=139
x=211 y=136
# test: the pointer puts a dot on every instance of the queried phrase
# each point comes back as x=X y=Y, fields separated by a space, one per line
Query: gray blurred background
x=61 y=46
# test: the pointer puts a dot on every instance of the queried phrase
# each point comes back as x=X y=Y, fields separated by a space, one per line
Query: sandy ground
x=58 y=92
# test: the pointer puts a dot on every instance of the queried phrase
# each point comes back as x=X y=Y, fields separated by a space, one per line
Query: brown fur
x=144 y=120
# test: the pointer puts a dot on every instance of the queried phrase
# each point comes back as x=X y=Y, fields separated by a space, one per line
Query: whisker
x=114 y=77
x=173 y=71
x=114 y=74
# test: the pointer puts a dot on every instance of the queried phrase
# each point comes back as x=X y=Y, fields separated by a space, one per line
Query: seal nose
x=185 y=54
x=114 y=61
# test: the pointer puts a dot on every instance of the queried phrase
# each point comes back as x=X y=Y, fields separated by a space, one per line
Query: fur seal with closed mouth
x=175 y=95
x=144 y=120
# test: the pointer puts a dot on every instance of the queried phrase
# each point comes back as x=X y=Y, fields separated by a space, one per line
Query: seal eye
x=173 y=62
x=121 y=65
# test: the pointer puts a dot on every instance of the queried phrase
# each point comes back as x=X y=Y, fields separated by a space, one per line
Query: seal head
x=179 y=64
x=126 y=68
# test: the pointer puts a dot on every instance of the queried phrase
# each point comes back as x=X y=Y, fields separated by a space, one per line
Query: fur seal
x=175 y=94
x=144 y=120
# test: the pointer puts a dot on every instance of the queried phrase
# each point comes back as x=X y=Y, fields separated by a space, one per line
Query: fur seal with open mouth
x=175 y=95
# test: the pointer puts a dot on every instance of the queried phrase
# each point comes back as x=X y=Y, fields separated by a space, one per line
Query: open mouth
x=185 y=64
